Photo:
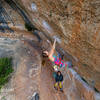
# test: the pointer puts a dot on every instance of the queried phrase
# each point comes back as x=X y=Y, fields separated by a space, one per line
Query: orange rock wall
x=76 y=26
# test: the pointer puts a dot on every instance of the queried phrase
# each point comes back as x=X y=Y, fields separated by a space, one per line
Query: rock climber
x=58 y=62
x=59 y=80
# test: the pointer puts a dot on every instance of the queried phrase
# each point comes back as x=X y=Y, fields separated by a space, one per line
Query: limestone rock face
x=76 y=26
x=76 y=88
x=25 y=80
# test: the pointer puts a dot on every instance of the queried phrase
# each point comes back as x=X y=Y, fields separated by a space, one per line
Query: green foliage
x=50 y=14
x=5 y=70
x=85 y=65
x=8 y=1
x=28 y=27
x=3 y=98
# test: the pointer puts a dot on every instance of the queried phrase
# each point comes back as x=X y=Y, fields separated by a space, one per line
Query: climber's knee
x=60 y=85
x=56 y=84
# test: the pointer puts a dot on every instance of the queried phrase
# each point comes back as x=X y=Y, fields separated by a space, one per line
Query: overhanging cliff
x=75 y=25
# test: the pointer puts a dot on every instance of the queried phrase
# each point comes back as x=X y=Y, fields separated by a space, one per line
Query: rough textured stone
x=76 y=88
x=75 y=24
x=25 y=79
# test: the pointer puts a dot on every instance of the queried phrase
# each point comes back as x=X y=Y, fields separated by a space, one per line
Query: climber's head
x=59 y=72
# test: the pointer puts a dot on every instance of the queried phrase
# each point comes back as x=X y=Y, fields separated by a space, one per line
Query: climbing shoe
x=61 y=90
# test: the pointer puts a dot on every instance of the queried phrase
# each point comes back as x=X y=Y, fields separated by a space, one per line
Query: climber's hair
x=44 y=55
x=59 y=72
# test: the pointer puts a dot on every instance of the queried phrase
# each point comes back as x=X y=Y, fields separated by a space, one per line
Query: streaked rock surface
x=75 y=24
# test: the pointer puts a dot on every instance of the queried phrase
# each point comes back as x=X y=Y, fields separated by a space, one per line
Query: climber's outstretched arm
x=50 y=55
x=51 y=52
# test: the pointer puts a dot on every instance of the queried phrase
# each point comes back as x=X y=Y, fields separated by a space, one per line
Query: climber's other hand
x=45 y=53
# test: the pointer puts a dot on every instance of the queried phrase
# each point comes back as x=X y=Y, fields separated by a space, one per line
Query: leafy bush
x=28 y=27
x=5 y=70
x=8 y=1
